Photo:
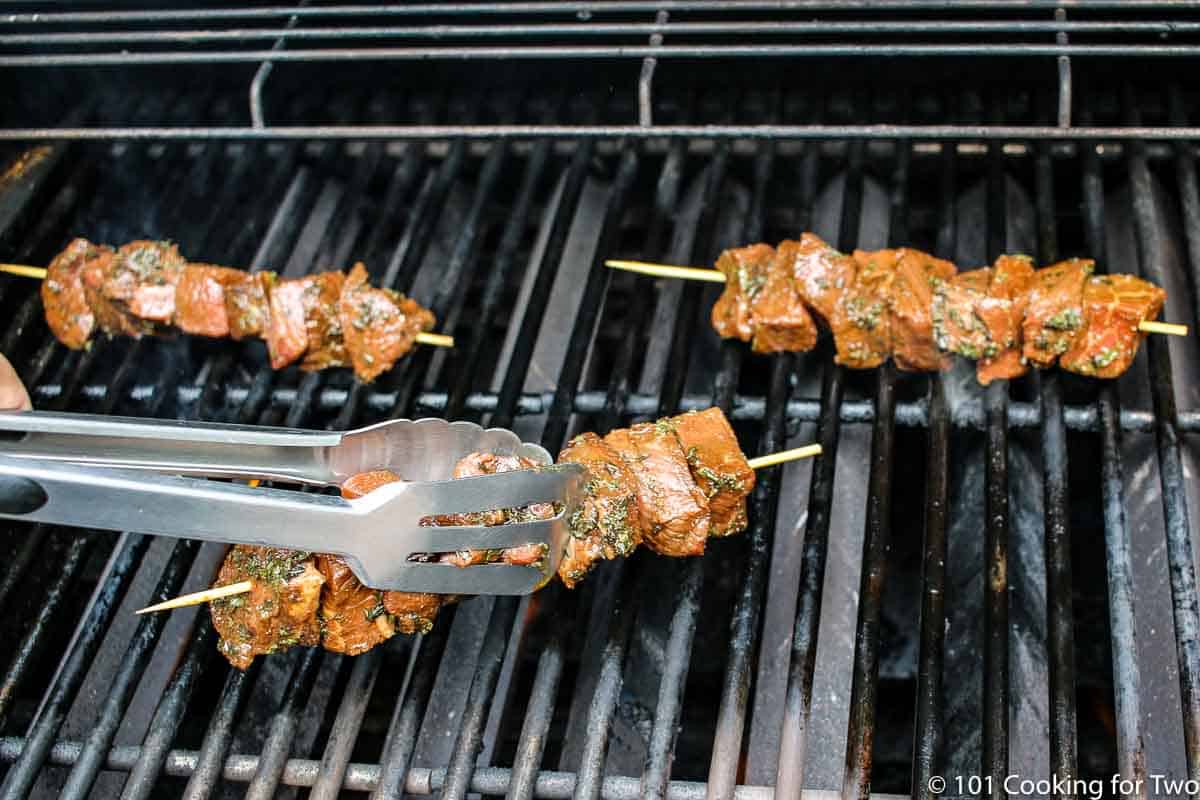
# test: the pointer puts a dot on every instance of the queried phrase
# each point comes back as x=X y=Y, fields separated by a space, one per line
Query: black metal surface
x=476 y=200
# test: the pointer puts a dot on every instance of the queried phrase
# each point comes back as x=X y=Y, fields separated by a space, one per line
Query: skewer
x=196 y=598
x=39 y=273
x=716 y=276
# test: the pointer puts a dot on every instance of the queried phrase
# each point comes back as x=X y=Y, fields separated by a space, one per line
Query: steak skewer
x=328 y=319
x=918 y=310
x=669 y=485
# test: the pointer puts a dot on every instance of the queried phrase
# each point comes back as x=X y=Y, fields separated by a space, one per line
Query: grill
x=968 y=584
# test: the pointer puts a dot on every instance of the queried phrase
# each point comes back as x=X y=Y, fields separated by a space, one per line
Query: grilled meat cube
x=287 y=328
x=474 y=464
x=745 y=270
x=675 y=512
x=324 y=323
x=1054 y=315
x=200 y=303
x=412 y=612
x=957 y=326
x=781 y=322
x=822 y=275
x=143 y=277
x=246 y=306
x=1003 y=312
x=861 y=322
x=278 y=612
x=1113 y=307
x=913 y=342
x=718 y=467
x=353 y=617
x=67 y=311
x=608 y=522
x=378 y=325
x=111 y=316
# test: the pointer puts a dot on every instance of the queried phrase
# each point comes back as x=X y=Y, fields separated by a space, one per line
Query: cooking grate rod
x=574 y=8
x=639 y=29
x=608 y=132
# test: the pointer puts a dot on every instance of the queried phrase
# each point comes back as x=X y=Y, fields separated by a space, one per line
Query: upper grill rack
x=304 y=204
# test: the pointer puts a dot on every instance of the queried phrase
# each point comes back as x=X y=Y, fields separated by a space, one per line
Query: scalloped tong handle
x=380 y=535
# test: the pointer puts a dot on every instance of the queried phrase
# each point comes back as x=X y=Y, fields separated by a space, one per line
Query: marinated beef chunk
x=957 y=325
x=608 y=522
x=1054 y=314
x=1003 y=312
x=781 y=322
x=378 y=325
x=1113 y=307
x=675 y=512
x=718 y=467
x=287 y=325
x=323 y=322
x=917 y=274
x=143 y=278
x=412 y=612
x=353 y=617
x=822 y=275
x=474 y=464
x=112 y=316
x=861 y=323
x=745 y=270
x=246 y=306
x=278 y=612
x=200 y=307
x=67 y=311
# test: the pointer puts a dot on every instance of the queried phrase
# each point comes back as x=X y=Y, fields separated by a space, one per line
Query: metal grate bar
x=613 y=133
x=860 y=732
x=1127 y=679
x=1060 y=626
x=1170 y=465
x=283 y=725
x=995 y=642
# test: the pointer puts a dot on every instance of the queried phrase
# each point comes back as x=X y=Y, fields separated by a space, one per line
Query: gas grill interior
x=970 y=584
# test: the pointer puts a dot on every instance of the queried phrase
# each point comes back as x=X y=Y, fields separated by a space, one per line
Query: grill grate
x=942 y=626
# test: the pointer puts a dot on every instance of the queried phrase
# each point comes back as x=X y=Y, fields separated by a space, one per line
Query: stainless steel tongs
x=147 y=476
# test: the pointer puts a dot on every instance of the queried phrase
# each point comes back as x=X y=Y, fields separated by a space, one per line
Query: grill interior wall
x=417 y=213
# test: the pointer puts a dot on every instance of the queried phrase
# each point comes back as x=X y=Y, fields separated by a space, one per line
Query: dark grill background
x=892 y=616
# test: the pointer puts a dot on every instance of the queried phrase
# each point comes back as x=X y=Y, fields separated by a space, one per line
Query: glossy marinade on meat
x=1054 y=313
x=323 y=322
x=279 y=612
x=718 y=467
x=781 y=322
x=823 y=276
x=200 y=296
x=142 y=278
x=745 y=270
x=353 y=617
x=608 y=522
x=378 y=325
x=674 y=511
x=861 y=322
x=1003 y=312
x=68 y=313
x=246 y=306
x=1113 y=308
x=287 y=324
x=916 y=275
x=957 y=325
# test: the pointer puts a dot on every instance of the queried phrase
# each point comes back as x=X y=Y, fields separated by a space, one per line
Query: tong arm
x=182 y=448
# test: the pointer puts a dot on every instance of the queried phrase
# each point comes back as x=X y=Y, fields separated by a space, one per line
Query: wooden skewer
x=716 y=276
x=39 y=273
x=196 y=598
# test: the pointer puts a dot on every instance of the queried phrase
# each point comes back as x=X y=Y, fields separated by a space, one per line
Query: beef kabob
x=920 y=310
x=147 y=288
x=669 y=485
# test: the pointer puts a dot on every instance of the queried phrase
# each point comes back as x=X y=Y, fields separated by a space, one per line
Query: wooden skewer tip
x=668 y=271
x=436 y=339
x=24 y=271
x=196 y=598
x=795 y=454
x=1168 y=328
